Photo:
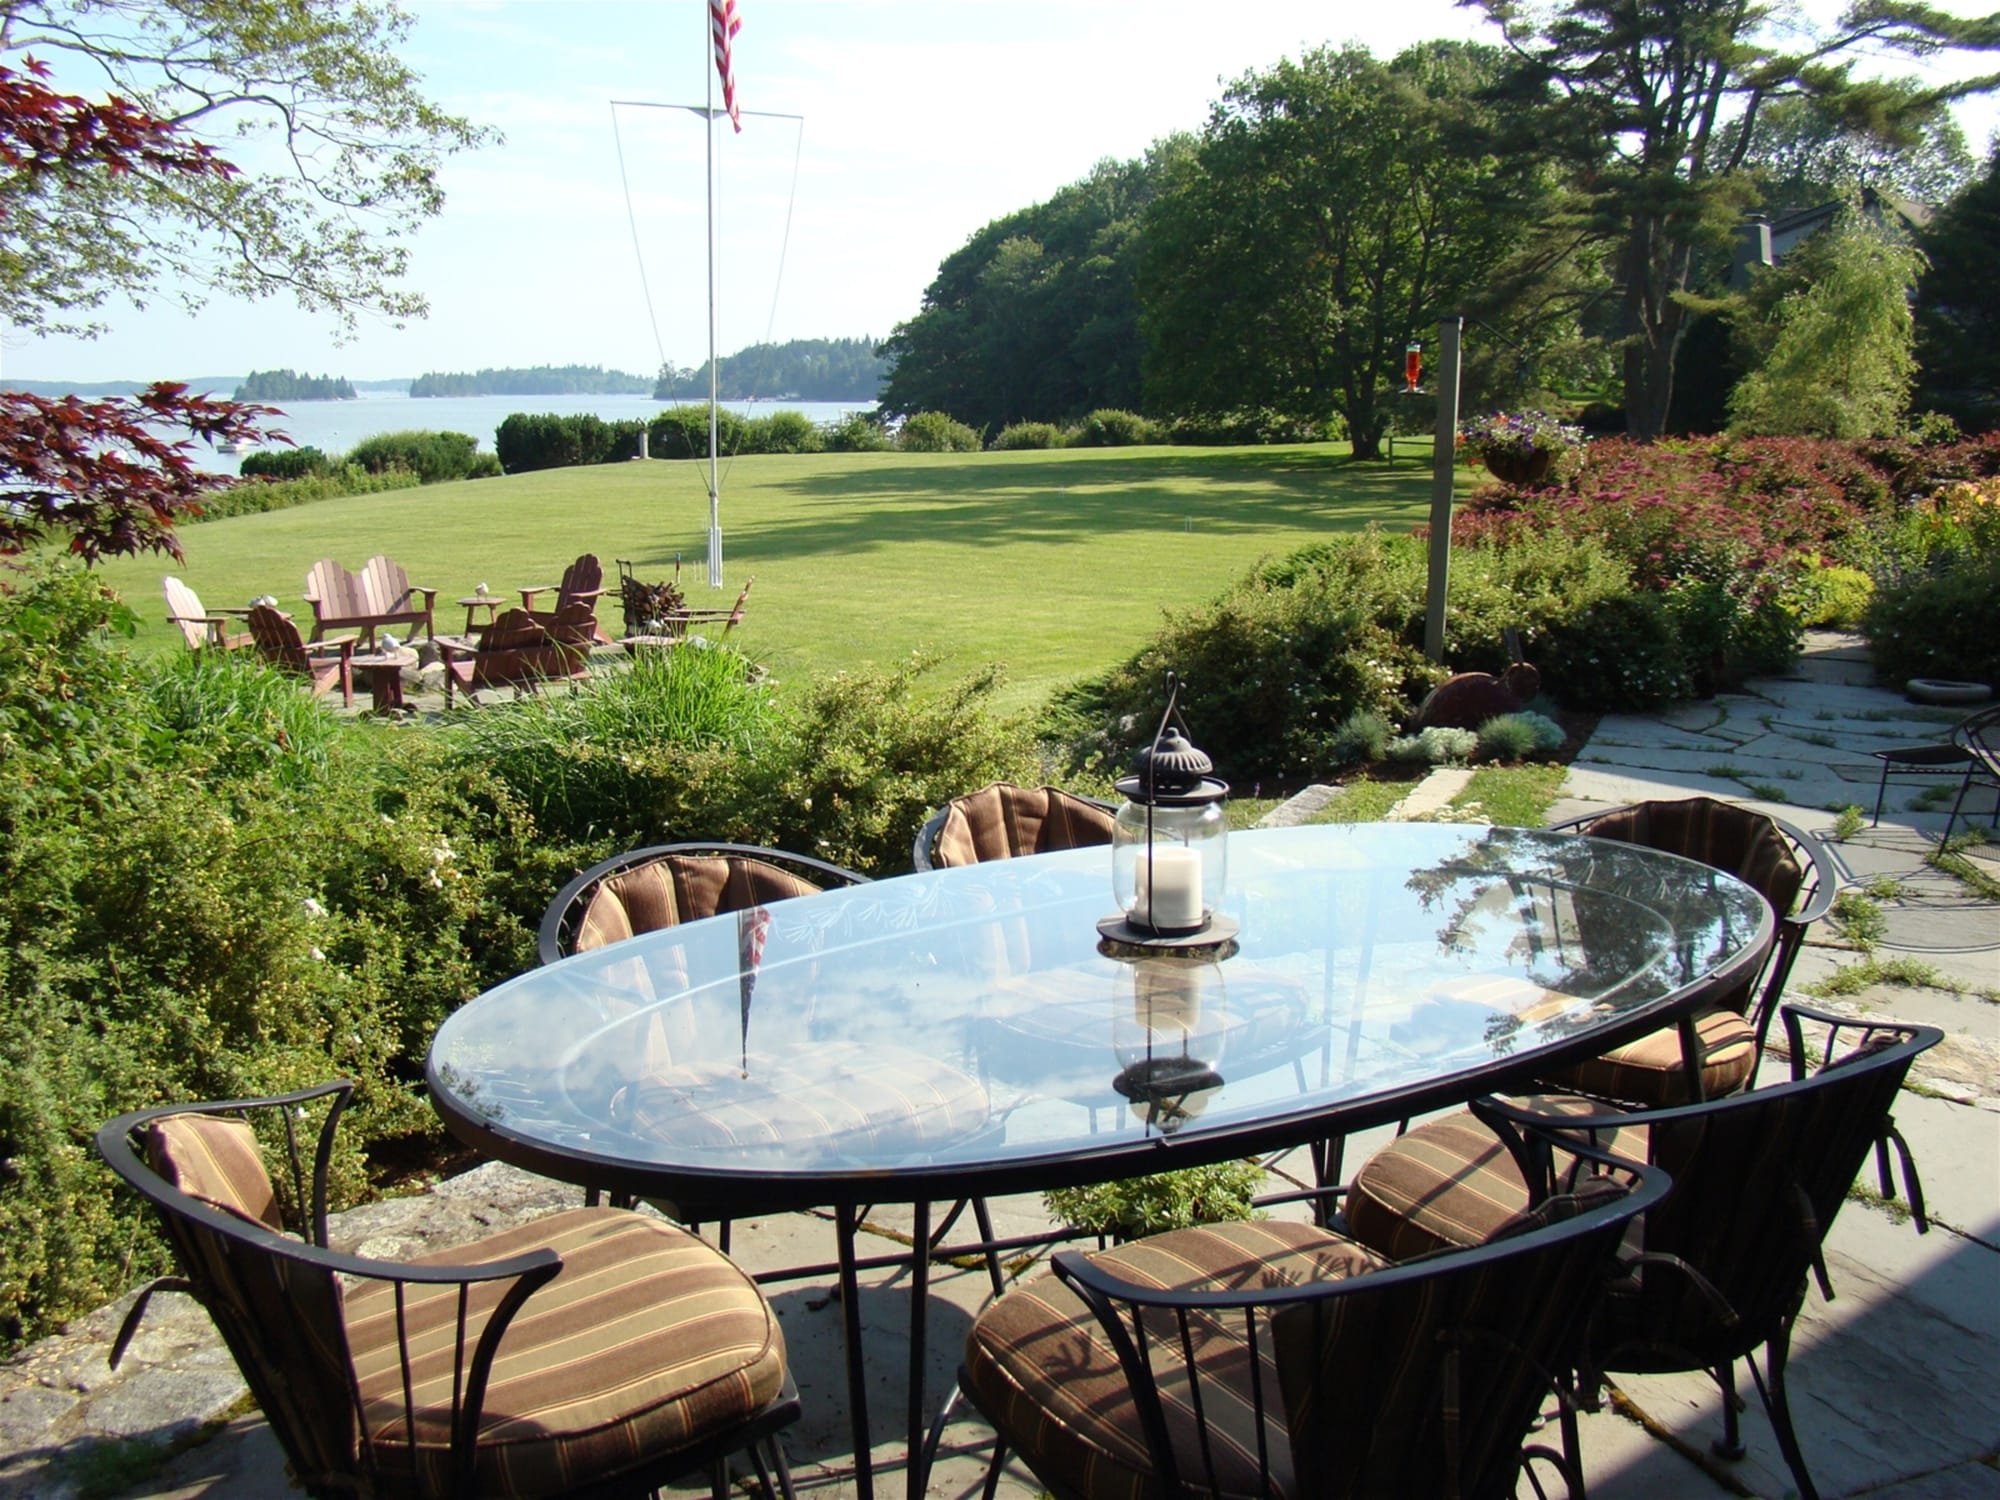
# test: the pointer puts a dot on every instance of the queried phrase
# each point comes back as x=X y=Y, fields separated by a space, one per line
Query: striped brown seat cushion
x=646 y=1341
x=841 y=1101
x=1003 y=821
x=1450 y=1183
x=215 y=1159
x=1040 y=1366
x=680 y=888
x=1650 y=1074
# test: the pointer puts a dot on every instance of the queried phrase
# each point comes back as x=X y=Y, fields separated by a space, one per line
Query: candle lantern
x=1169 y=845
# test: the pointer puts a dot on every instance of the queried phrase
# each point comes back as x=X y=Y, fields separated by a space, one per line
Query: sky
x=581 y=239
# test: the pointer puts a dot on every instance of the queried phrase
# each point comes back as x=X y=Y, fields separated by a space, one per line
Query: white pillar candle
x=1171 y=877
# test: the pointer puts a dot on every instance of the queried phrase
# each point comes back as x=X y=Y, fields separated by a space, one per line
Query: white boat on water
x=236 y=445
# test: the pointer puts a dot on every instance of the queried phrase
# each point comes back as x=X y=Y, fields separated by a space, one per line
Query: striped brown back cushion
x=680 y=888
x=217 y=1161
x=1746 y=844
x=1002 y=821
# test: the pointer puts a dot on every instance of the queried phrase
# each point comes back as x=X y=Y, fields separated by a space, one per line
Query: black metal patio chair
x=1716 y=1051
x=1759 y=1178
x=1280 y=1360
x=592 y=1353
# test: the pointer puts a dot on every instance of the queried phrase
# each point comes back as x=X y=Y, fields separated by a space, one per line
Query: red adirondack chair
x=380 y=594
x=321 y=663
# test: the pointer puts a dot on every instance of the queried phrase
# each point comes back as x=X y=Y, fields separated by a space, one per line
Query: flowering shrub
x=1520 y=434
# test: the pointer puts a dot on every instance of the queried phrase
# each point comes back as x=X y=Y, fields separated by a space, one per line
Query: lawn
x=1053 y=563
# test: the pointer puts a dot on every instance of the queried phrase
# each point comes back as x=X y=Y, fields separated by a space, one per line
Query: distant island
x=802 y=370
x=540 y=380
x=288 y=385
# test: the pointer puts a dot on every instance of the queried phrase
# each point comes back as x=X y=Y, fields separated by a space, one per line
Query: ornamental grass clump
x=1521 y=736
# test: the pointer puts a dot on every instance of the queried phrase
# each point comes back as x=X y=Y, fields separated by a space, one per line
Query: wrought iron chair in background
x=1716 y=1052
x=593 y=1353
x=1758 y=1180
x=1278 y=1359
x=1004 y=821
x=1972 y=754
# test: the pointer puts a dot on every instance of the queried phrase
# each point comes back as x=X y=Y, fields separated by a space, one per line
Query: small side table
x=648 y=645
x=384 y=670
x=474 y=603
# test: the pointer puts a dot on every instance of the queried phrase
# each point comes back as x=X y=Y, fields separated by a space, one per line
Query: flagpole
x=714 y=384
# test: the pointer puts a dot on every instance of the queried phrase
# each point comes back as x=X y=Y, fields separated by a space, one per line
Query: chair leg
x=1730 y=1445
x=777 y=1465
x=983 y=1217
x=1779 y=1407
x=993 y=1469
x=1964 y=786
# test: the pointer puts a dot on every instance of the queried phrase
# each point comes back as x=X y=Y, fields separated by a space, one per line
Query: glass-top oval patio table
x=964 y=1032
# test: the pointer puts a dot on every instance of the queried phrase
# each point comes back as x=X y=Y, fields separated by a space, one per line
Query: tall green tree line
x=1581 y=191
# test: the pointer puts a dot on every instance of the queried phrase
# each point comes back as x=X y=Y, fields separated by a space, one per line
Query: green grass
x=1056 y=563
x=1364 y=802
x=1513 y=796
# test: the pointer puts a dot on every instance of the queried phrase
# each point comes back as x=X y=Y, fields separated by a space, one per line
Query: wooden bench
x=380 y=594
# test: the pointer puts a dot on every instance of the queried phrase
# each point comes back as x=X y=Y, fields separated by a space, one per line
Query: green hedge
x=211 y=886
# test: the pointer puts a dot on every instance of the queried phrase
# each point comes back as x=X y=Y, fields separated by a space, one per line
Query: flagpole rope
x=638 y=250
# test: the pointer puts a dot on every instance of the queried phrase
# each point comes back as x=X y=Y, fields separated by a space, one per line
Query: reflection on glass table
x=962 y=1032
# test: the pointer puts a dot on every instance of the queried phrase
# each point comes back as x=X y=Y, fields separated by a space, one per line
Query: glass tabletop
x=964 y=1030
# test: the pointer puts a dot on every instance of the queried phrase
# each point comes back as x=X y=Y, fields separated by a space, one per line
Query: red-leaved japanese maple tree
x=113 y=473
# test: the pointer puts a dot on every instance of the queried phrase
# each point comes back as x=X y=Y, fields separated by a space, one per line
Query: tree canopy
x=1958 y=305
x=1654 y=107
x=1035 y=317
x=316 y=89
x=804 y=369
x=1338 y=206
x=1836 y=335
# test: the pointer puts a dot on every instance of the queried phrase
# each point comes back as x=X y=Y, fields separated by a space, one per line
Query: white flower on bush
x=313 y=908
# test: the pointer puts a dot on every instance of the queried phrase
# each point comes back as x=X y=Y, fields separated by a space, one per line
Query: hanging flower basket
x=1518 y=448
x=1520 y=468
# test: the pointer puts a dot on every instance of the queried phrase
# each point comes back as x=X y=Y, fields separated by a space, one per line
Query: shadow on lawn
x=983 y=498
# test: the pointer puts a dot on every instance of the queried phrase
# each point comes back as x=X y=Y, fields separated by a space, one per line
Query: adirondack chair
x=380 y=594
x=519 y=651
x=202 y=627
x=321 y=663
x=582 y=583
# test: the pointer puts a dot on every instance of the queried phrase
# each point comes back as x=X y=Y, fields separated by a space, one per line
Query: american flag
x=725 y=23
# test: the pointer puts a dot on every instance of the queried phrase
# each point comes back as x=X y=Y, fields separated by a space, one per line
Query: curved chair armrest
x=922 y=853
x=528 y=594
x=1822 y=878
x=341 y=646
